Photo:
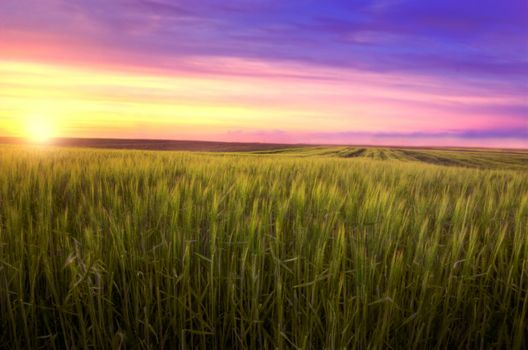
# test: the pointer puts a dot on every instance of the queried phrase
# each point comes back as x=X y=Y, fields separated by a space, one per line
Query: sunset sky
x=405 y=72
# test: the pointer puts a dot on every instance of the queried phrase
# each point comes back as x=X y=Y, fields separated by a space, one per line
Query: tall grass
x=124 y=249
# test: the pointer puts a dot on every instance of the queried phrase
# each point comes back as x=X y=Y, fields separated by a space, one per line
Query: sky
x=386 y=72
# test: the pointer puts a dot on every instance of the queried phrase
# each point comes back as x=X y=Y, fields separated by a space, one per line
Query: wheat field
x=318 y=248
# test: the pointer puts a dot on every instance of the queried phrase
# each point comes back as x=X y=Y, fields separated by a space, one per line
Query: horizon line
x=51 y=143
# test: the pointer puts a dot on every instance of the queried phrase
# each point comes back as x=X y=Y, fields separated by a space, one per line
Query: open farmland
x=307 y=247
x=474 y=158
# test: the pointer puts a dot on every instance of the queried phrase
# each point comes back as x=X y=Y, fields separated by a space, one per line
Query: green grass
x=471 y=158
x=334 y=249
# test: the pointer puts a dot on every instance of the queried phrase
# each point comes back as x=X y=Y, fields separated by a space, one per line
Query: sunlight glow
x=256 y=102
x=39 y=130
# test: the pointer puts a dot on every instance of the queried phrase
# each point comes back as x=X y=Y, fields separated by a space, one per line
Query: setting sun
x=39 y=130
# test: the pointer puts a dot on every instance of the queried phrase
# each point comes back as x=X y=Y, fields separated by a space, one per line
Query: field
x=306 y=247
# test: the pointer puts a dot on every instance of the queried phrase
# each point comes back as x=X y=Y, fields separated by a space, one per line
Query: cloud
x=515 y=138
x=519 y=134
x=432 y=37
x=411 y=65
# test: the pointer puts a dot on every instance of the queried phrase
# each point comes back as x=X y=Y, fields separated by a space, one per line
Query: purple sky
x=447 y=71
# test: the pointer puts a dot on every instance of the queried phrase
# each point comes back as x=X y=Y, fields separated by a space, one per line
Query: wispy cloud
x=488 y=137
x=422 y=69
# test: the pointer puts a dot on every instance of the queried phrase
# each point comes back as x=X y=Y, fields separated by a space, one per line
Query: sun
x=40 y=130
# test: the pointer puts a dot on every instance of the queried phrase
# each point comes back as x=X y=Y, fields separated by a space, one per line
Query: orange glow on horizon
x=230 y=100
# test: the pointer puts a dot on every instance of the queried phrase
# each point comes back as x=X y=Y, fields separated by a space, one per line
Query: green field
x=312 y=248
